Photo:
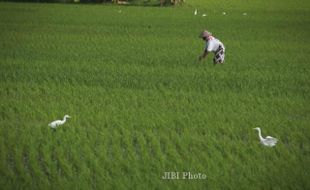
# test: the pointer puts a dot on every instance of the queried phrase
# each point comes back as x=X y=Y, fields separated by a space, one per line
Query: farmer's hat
x=205 y=34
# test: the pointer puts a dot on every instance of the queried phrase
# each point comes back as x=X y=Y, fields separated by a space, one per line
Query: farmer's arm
x=204 y=55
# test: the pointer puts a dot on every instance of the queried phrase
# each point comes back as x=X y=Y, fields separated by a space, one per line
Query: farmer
x=212 y=45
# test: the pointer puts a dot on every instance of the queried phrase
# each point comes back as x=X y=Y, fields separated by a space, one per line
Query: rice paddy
x=142 y=105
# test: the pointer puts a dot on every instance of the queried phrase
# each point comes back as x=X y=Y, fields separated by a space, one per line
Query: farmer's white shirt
x=213 y=44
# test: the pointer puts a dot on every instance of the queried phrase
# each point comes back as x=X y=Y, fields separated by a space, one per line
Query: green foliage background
x=142 y=105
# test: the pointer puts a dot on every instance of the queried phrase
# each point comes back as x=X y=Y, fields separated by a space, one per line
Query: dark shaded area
x=121 y=2
x=60 y=1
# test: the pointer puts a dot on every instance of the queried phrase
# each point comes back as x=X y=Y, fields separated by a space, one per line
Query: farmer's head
x=205 y=34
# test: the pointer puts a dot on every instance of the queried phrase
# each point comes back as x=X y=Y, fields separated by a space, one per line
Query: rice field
x=141 y=104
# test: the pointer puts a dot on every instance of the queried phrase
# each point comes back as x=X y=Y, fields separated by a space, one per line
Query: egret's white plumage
x=268 y=141
x=56 y=123
x=204 y=15
x=196 y=12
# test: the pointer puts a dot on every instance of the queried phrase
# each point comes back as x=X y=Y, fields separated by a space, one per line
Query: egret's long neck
x=64 y=120
x=260 y=134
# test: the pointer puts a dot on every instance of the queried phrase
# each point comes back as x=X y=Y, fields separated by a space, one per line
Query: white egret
x=268 y=141
x=204 y=15
x=196 y=12
x=56 y=123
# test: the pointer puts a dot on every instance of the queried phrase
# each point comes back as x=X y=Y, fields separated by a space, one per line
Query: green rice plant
x=140 y=103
